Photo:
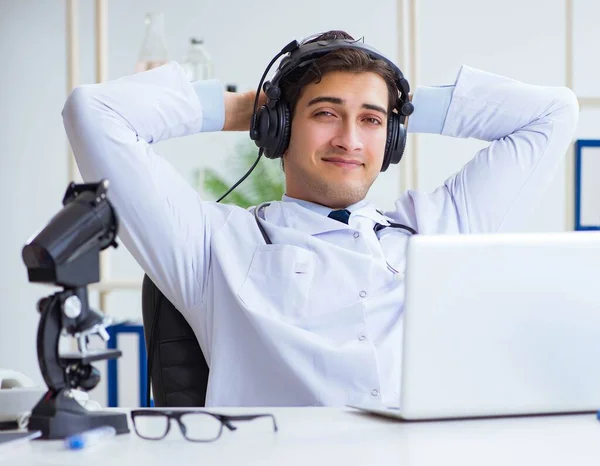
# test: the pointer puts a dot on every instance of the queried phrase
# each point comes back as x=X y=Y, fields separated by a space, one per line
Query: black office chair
x=176 y=363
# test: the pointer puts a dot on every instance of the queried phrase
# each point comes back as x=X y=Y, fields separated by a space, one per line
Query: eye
x=324 y=113
x=372 y=121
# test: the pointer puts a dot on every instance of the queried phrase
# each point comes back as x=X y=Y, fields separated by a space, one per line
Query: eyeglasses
x=196 y=426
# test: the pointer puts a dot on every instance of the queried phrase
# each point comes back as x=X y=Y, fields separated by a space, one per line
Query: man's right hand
x=238 y=109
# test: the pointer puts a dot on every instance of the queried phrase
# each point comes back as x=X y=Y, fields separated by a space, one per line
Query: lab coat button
x=374 y=392
x=356 y=234
x=362 y=337
x=363 y=294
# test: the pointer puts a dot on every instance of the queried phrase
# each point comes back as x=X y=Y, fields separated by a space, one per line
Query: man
x=313 y=316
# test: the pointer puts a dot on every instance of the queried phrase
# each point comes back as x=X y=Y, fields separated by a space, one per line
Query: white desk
x=329 y=436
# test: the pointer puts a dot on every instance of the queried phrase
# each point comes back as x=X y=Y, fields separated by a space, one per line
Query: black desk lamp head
x=66 y=253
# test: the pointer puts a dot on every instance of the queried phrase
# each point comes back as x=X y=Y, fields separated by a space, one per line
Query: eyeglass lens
x=195 y=426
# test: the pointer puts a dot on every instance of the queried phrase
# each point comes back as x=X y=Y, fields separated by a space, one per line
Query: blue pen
x=89 y=437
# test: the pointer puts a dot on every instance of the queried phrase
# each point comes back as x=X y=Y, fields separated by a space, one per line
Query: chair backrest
x=176 y=363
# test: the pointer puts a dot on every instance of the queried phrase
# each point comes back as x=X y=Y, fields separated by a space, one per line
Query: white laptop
x=500 y=325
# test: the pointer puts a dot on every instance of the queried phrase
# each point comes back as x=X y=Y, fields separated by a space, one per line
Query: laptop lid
x=501 y=324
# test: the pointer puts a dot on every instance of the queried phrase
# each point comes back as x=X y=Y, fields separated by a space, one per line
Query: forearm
x=154 y=105
x=486 y=106
x=238 y=111
x=490 y=107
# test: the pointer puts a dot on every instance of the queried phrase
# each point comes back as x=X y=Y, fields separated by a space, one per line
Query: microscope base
x=60 y=416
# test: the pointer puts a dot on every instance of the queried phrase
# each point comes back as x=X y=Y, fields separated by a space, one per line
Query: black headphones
x=270 y=126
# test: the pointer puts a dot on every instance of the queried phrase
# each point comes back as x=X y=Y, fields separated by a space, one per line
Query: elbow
x=77 y=105
x=571 y=102
x=574 y=105
x=567 y=108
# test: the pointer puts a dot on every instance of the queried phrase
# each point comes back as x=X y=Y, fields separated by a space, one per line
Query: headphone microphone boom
x=271 y=123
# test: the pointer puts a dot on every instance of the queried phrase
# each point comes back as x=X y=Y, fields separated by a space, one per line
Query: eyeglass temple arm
x=247 y=417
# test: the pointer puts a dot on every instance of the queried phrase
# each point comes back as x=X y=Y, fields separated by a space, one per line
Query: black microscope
x=66 y=253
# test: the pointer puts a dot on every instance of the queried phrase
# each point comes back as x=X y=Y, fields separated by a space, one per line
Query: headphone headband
x=305 y=54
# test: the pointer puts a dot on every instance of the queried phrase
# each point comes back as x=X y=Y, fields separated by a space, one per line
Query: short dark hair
x=352 y=60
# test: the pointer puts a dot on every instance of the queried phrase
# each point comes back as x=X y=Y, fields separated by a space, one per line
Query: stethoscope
x=377 y=228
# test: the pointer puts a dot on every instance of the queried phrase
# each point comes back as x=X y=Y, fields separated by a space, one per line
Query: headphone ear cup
x=261 y=129
x=391 y=130
x=401 y=141
x=273 y=129
x=395 y=143
x=285 y=123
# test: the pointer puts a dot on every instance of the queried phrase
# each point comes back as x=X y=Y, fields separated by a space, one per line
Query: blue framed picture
x=587 y=208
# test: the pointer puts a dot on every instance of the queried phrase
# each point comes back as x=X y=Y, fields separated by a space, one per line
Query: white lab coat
x=316 y=317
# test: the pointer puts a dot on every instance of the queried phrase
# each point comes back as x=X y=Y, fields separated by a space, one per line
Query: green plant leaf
x=265 y=183
x=216 y=186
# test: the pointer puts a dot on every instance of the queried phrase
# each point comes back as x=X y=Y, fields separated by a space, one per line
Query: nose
x=348 y=137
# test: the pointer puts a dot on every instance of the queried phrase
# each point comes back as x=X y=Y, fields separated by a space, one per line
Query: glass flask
x=154 y=48
x=198 y=62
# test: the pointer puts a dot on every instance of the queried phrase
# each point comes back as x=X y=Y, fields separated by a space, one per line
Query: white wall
x=505 y=37
x=511 y=37
x=33 y=168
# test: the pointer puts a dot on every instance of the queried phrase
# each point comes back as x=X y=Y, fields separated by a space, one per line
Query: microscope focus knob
x=72 y=307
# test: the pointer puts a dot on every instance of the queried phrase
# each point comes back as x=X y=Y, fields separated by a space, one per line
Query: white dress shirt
x=316 y=317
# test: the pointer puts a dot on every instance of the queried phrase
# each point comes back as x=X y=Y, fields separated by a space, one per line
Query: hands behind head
x=238 y=109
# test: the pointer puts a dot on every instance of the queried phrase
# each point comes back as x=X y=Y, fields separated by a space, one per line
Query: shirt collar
x=363 y=208
x=321 y=209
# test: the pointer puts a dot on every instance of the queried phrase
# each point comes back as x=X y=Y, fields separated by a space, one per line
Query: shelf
x=117 y=285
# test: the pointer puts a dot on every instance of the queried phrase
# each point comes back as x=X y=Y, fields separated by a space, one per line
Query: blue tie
x=341 y=215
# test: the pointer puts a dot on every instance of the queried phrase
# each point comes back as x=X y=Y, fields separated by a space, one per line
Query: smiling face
x=338 y=137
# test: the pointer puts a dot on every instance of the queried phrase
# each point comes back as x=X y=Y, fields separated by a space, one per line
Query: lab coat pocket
x=279 y=280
